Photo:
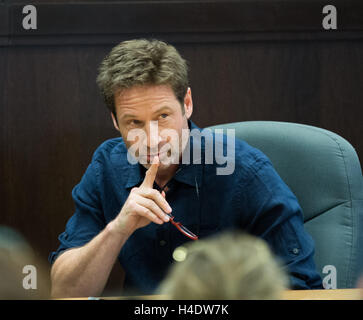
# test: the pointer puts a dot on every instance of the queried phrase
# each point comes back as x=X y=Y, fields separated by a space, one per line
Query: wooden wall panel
x=3 y=136
x=52 y=125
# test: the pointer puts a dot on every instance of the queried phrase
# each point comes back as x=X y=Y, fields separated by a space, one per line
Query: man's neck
x=163 y=177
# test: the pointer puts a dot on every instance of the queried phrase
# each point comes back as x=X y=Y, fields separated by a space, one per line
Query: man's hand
x=144 y=205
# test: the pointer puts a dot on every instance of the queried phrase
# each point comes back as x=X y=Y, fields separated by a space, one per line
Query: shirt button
x=162 y=243
x=295 y=251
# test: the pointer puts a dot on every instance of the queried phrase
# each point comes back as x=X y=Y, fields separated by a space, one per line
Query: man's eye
x=164 y=115
x=134 y=123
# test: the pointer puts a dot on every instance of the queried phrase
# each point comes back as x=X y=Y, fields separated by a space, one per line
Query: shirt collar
x=190 y=174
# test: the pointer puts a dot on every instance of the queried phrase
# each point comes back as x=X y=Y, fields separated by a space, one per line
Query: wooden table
x=338 y=294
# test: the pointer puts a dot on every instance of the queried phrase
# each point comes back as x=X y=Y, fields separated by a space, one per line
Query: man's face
x=155 y=111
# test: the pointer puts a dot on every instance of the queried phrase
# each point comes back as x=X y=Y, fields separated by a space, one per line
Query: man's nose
x=152 y=133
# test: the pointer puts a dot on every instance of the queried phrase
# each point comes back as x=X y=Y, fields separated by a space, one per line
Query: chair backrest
x=324 y=172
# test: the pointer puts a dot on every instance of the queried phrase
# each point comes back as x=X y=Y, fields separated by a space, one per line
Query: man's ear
x=188 y=103
x=115 y=124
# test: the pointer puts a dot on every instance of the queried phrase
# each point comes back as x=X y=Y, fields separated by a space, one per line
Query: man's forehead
x=139 y=91
x=135 y=98
x=131 y=113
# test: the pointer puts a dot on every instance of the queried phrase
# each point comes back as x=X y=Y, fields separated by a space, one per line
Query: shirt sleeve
x=274 y=214
x=88 y=219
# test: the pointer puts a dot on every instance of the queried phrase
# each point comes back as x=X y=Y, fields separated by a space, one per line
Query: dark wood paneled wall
x=263 y=60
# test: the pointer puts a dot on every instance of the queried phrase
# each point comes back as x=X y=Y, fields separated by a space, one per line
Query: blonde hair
x=229 y=266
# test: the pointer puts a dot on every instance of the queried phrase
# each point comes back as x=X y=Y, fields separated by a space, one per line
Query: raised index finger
x=151 y=174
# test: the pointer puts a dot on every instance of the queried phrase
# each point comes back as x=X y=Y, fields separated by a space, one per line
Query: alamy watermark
x=174 y=148
x=330 y=280
x=30 y=19
x=330 y=19
x=30 y=280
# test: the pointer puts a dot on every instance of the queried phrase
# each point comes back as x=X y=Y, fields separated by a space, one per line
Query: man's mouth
x=149 y=157
x=152 y=155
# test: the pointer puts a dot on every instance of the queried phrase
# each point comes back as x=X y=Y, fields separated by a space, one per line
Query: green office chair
x=323 y=171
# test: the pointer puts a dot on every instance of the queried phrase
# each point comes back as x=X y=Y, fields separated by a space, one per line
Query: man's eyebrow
x=163 y=108
x=128 y=115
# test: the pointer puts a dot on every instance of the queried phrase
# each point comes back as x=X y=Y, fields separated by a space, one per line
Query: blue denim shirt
x=254 y=199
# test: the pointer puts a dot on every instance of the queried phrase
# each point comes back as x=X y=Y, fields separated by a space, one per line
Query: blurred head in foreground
x=23 y=276
x=228 y=266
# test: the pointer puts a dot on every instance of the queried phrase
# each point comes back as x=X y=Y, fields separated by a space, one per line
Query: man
x=123 y=207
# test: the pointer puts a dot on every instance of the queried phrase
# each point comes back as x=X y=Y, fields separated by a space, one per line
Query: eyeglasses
x=178 y=225
x=181 y=228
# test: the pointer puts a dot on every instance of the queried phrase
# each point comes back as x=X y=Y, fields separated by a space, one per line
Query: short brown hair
x=142 y=62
